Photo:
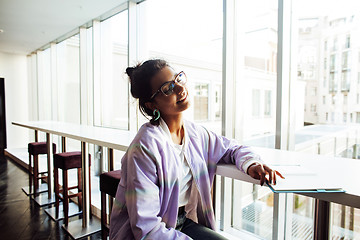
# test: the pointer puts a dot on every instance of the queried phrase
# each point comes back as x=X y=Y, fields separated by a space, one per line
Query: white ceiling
x=31 y=24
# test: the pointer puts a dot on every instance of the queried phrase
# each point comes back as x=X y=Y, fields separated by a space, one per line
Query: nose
x=179 y=88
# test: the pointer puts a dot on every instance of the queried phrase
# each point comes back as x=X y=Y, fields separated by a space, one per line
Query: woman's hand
x=262 y=172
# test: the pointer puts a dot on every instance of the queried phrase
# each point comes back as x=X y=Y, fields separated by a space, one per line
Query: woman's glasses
x=168 y=88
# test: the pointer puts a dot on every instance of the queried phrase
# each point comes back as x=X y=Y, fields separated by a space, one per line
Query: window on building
x=345 y=81
x=325 y=45
x=335 y=42
x=201 y=102
x=256 y=102
x=347 y=41
x=345 y=63
x=267 y=103
x=332 y=82
x=332 y=62
x=217 y=106
x=313 y=91
x=313 y=108
x=324 y=100
x=325 y=63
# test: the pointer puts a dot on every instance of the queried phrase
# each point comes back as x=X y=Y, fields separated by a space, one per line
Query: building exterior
x=329 y=64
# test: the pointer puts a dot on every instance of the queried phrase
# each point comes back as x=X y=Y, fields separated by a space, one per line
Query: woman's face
x=176 y=102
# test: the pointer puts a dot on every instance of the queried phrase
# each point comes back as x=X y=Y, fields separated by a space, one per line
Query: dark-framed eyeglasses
x=168 y=87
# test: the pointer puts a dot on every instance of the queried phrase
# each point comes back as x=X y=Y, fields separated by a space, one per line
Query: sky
x=332 y=8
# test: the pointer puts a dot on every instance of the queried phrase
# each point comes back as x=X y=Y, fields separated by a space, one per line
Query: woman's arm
x=222 y=149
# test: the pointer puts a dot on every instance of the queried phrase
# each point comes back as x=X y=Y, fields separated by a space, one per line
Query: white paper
x=298 y=178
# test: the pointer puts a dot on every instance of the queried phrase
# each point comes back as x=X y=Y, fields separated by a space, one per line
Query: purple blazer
x=146 y=203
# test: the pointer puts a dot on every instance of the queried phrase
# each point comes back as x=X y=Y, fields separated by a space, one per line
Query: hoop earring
x=156 y=115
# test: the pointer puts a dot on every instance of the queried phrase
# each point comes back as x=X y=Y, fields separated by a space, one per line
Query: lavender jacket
x=146 y=203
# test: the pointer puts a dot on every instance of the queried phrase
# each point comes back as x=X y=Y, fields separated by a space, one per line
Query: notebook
x=299 y=179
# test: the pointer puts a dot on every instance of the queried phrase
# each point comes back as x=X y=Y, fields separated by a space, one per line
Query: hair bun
x=129 y=71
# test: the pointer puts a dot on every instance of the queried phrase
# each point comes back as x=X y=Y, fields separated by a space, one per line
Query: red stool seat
x=68 y=160
x=109 y=182
x=36 y=148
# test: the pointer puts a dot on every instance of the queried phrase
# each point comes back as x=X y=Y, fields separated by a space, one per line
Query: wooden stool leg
x=31 y=175
x=79 y=188
x=103 y=216
x=65 y=197
x=36 y=172
x=90 y=190
x=56 y=187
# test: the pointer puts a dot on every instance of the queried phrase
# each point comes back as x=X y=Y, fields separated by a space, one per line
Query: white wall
x=14 y=69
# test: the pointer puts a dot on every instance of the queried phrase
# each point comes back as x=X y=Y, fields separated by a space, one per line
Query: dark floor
x=20 y=217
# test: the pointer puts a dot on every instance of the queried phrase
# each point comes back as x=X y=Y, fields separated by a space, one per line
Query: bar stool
x=66 y=161
x=35 y=149
x=109 y=182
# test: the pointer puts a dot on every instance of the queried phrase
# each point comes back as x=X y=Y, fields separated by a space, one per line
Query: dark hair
x=140 y=81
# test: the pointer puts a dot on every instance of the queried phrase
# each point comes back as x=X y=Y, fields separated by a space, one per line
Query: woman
x=169 y=168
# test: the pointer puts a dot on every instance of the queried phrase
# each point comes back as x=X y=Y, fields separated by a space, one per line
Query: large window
x=255 y=101
x=320 y=27
x=68 y=79
x=168 y=31
x=44 y=88
x=111 y=90
x=44 y=85
x=256 y=70
x=67 y=71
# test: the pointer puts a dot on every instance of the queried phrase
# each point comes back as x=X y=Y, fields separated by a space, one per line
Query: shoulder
x=149 y=137
x=196 y=131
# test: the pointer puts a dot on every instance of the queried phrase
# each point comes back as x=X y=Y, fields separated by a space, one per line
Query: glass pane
x=68 y=75
x=168 y=29
x=68 y=78
x=44 y=85
x=256 y=30
x=256 y=71
x=111 y=99
x=328 y=78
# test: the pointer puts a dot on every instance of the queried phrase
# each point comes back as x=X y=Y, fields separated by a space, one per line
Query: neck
x=175 y=125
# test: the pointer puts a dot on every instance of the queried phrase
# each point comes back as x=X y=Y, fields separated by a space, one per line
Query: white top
x=184 y=169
